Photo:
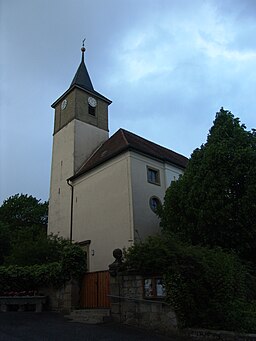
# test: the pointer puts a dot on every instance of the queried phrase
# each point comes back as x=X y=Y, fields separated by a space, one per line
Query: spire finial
x=83 y=49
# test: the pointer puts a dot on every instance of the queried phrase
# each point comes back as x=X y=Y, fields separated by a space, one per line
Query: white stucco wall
x=62 y=169
x=103 y=212
x=72 y=145
x=145 y=220
x=87 y=139
x=172 y=173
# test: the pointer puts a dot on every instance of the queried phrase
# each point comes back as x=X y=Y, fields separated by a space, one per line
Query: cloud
x=167 y=65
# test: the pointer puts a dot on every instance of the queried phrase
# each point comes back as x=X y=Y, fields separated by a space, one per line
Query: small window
x=154 y=203
x=153 y=176
x=154 y=287
x=91 y=110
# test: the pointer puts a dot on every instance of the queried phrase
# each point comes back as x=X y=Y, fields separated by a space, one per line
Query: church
x=104 y=190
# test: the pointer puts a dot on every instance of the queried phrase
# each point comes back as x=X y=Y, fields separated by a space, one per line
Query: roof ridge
x=123 y=134
x=143 y=138
x=123 y=140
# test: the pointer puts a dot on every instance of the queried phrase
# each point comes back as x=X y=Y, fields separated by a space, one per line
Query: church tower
x=80 y=127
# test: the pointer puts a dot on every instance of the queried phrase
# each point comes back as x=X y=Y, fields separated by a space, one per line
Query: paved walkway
x=26 y=326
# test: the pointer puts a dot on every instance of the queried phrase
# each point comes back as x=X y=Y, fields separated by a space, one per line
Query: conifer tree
x=214 y=202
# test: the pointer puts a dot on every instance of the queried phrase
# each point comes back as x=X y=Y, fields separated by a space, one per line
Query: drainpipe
x=71 y=210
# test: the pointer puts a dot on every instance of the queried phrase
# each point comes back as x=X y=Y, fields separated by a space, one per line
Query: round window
x=154 y=203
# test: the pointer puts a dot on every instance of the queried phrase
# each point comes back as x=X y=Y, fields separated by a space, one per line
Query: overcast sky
x=167 y=65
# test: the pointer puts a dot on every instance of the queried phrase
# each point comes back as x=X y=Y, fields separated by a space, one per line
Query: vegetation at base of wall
x=211 y=208
x=73 y=262
x=28 y=257
x=208 y=288
x=15 y=278
x=71 y=265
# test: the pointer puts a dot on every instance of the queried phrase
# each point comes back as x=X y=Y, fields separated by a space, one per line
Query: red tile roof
x=124 y=140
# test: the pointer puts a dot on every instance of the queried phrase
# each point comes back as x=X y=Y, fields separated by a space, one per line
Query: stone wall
x=64 y=299
x=211 y=335
x=129 y=306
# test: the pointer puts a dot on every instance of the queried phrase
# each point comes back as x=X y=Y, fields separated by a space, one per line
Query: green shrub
x=33 y=246
x=15 y=278
x=208 y=288
x=154 y=255
x=203 y=286
x=72 y=264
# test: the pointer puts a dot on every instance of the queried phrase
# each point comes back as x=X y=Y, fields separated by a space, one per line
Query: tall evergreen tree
x=213 y=203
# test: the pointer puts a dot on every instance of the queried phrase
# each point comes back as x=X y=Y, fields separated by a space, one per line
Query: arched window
x=154 y=203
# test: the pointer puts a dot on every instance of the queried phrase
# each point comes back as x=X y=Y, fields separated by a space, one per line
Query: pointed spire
x=82 y=77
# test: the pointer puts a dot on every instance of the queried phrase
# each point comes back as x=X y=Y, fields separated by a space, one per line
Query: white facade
x=145 y=220
x=111 y=205
x=68 y=153
x=102 y=188
x=102 y=211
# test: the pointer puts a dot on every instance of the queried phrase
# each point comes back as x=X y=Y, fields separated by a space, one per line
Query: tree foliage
x=4 y=242
x=23 y=232
x=213 y=203
x=207 y=288
x=209 y=231
x=29 y=249
x=24 y=211
x=29 y=257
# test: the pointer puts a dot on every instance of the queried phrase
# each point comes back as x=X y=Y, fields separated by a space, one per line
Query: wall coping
x=138 y=299
x=208 y=334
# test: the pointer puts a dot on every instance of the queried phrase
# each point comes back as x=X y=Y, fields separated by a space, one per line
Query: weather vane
x=83 y=49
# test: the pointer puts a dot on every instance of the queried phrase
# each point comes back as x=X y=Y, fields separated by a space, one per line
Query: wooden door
x=94 y=290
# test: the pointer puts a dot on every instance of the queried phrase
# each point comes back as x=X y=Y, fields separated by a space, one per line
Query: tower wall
x=62 y=169
x=72 y=145
x=79 y=129
x=87 y=139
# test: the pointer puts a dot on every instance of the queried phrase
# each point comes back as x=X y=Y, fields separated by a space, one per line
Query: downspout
x=71 y=210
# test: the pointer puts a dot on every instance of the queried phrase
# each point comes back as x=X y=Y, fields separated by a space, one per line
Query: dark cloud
x=174 y=63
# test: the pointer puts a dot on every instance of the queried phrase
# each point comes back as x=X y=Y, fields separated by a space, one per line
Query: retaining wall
x=64 y=299
x=129 y=306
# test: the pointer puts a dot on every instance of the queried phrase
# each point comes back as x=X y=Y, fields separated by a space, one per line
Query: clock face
x=64 y=103
x=92 y=101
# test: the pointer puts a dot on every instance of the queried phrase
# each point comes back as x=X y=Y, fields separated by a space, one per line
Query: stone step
x=90 y=316
x=105 y=312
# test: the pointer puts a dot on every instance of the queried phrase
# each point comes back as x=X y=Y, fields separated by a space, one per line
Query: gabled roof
x=124 y=140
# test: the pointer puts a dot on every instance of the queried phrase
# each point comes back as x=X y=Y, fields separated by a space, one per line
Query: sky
x=167 y=65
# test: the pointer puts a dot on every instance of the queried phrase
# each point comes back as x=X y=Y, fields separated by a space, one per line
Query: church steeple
x=81 y=102
x=82 y=77
x=80 y=127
